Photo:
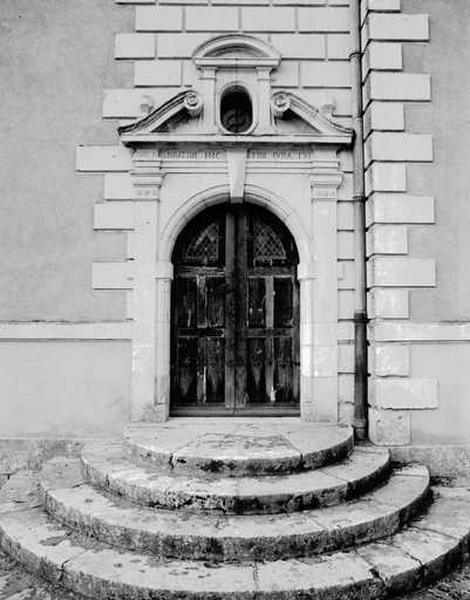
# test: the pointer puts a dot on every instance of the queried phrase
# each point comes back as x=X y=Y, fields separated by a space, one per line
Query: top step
x=239 y=446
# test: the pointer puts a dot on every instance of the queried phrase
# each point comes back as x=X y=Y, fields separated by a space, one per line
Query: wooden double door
x=235 y=315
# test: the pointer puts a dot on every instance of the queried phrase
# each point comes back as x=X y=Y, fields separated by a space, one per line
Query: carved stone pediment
x=234 y=89
x=180 y=119
x=303 y=118
x=183 y=106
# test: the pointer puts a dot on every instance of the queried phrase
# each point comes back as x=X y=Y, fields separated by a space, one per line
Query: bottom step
x=419 y=554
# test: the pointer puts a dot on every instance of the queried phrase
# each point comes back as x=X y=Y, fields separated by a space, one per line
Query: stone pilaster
x=319 y=296
x=146 y=179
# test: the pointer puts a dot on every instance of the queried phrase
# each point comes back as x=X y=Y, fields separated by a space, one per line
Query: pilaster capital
x=146 y=174
x=207 y=72
x=263 y=73
x=306 y=270
x=163 y=270
x=324 y=183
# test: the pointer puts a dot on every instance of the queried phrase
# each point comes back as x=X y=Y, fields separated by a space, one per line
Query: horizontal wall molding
x=421 y=332
x=10 y=331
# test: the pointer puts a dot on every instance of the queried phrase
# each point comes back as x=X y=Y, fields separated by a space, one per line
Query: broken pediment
x=294 y=115
x=185 y=118
x=165 y=118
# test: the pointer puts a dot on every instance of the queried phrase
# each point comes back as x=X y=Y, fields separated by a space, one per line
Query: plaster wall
x=448 y=362
x=57 y=58
x=64 y=388
x=446 y=58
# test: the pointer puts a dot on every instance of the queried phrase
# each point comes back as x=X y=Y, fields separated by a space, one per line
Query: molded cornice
x=235 y=51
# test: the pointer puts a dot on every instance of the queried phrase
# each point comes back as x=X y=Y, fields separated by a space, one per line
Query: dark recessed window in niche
x=236 y=110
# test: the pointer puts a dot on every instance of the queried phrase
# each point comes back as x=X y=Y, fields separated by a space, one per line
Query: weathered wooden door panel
x=283 y=302
x=235 y=313
x=187 y=370
x=256 y=371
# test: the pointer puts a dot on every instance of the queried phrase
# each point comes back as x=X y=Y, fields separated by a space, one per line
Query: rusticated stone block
x=387 y=271
x=158 y=18
x=274 y=19
x=388 y=304
x=389 y=427
x=223 y=18
x=324 y=19
x=400 y=394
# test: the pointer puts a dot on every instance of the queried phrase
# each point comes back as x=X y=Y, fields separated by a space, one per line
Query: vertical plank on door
x=241 y=392
x=187 y=369
x=257 y=293
x=256 y=369
x=283 y=370
x=215 y=370
x=201 y=301
x=270 y=354
x=185 y=302
x=230 y=310
x=283 y=302
x=296 y=344
x=201 y=370
x=215 y=302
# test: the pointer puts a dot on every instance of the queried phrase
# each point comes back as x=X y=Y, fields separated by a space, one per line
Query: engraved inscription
x=258 y=154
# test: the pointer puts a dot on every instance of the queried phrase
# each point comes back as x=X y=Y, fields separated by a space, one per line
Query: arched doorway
x=235 y=315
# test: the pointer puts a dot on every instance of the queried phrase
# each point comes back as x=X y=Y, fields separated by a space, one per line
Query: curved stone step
x=241 y=446
x=107 y=466
x=217 y=537
x=407 y=560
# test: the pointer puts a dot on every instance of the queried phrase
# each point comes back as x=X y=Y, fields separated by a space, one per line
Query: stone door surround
x=313 y=225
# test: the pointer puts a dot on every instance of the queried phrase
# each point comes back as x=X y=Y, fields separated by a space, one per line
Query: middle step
x=192 y=535
x=108 y=466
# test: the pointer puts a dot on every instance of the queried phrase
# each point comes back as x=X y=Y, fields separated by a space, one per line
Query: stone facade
x=102 y=320
x=298 y=183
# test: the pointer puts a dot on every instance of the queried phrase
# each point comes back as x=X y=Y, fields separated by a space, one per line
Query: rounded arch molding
x=212 y=196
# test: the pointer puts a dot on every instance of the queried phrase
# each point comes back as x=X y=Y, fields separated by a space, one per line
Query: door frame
x=310 y=213
x=236 y=271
